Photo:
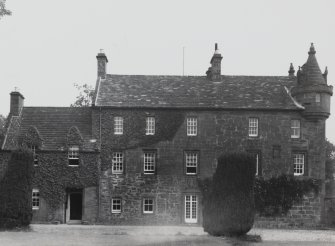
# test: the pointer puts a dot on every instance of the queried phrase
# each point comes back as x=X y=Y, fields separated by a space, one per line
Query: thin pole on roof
x=183 y=60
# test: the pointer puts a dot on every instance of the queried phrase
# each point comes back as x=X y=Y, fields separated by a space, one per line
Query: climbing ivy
x=167 y=123
x=53 y=175
x=276 y=196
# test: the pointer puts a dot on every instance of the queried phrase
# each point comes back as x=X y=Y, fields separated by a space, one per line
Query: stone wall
x=306 y=214
x=218 y=132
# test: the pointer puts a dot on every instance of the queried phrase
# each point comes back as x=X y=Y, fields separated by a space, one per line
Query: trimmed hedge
x=276 y=196
x=228 y=204
x=16 y=191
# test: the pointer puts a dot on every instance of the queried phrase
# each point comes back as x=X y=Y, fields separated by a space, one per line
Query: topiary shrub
x=15 y=191
x=276 y=196
x=228 y=204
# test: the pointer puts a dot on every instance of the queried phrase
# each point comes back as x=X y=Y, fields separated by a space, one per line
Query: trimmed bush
x=15 y=191
x=228 y=204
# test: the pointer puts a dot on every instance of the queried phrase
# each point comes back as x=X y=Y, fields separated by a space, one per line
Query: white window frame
x=149 y=162
x=117 y=162
x=73 y=154
x=116 y=205
x=253 y=127
x=35 y=200
x=191 y=161
x=148 y=205
x=298 y=164
x=192 y=126
x=295 y=128
x=191 y=209
x=118 y=125
x=150 y=126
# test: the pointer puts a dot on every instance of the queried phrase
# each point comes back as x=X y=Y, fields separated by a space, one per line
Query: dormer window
x=35 y=156
x=73 y=155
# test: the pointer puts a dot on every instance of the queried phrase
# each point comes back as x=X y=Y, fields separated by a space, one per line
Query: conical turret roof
x=311 y=73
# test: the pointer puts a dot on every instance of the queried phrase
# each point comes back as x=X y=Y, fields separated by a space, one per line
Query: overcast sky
x=47 y=46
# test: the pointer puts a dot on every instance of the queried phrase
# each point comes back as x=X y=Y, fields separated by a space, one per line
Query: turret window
x=295 y=128
x=317 y=97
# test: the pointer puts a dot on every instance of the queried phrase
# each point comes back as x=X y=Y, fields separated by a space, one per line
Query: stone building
x=136 y=155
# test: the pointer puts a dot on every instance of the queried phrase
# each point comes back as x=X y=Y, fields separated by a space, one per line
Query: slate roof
x=53 y=124
x=310 y=71
x=231 y=92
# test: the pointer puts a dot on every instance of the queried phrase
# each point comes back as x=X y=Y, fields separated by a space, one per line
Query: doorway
x=74 y=206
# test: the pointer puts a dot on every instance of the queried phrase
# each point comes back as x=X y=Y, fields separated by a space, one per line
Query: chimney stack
x=102 y=63
x=214 y=72
x=16 y=103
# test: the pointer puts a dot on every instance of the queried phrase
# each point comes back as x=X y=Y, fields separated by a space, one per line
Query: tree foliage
x=2 y=128
x=228 y=199
x=85 y=97
x=16 y=190
x=330 y=150
x=3 y=10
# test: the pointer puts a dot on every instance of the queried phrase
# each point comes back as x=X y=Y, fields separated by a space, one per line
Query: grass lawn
x=66 y=235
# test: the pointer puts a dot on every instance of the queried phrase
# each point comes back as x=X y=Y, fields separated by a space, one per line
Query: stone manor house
x=135 y=156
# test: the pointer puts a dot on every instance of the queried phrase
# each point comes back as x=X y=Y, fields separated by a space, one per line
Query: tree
x=16 y=190
x=330 y=150
x=85 y=97
x=2 y=128
x=3 y=10
x=228 y=199
x=330 y=160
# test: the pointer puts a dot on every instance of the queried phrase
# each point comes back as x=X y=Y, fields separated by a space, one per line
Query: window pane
x=117 y=162
x=253 y=127
x=150 y=126
x=191 y=162
x=148 y=205
x=191 y=209
x=192 y=123
x=298 y=164
x=73 y=155
x=116 y=205
x=118 y=125
x=295 y=128
x=35 y=199
x=149 y=162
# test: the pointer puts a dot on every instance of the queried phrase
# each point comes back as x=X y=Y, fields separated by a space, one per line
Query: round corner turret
x=312 y=90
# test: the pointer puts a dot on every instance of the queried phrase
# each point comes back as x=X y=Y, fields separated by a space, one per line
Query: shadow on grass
x=183 y=240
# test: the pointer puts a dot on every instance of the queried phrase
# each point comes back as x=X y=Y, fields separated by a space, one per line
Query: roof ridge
x=223 y=75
